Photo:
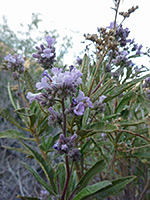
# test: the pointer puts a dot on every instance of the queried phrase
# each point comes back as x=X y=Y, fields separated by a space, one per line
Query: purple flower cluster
x=121 y=34
x=59 y=85
x=79 y=60
x=14 y=64
x=122 y=59
x=65 y=145
x=137 y=48
x=46 y=55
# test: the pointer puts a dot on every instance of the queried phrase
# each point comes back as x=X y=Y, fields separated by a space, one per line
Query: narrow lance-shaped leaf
x=91 y=190
x=11 y=96
x=115 y=188
x=25 y=151
x=5 y=114
x=100 y=91
x=39 y=179
x=124 y=87
x=97 y=168
x=29 y=82
x=48 y=170
x=13 y=134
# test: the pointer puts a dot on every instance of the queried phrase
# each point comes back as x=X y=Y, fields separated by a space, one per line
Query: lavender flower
x=65 y=145
x=46 y=55
x=122 y=59
x=79 y=60
x=14 y=64
x=80 y=103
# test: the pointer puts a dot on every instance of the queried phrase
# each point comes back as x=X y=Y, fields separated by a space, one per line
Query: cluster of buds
x=105 y=40
x=130 y=10
x=46 y=55
x=65 y=145
x=14 y=64
x=123 y=147
x=99 y=106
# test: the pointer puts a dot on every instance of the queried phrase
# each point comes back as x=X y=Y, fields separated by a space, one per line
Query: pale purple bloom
x=79 y=108
x=43 y=84
x=80 y=103
x=50 y=40
x=46 y=55
x=32 y=96
x=15 y=64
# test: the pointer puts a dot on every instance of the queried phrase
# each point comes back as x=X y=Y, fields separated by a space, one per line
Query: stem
x=67 y=179
x=111 y=164
x=38 y=142
x=20 y=93
x=100 y=62
x=64 y=117
x=136 y=134
x=117 y=8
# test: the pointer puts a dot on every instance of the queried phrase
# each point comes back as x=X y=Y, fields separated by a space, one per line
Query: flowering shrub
x=90 y=121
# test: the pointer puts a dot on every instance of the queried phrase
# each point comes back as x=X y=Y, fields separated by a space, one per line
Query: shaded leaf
x=5 y=114
x=97 y=168
x=48 y=170
x=124 y=88
x=25 y=151
x=39 y=179
x=61 y=175
x=13 y=134
x=115 y=188
x=101 y=90
x=91 y=190
x=29 y=82
x=11 y=96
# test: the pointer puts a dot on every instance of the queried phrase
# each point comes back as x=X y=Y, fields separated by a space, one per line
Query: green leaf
x=13 y=134
x=95 y=169
x=100 y=91
x=48 y=170
x=29 y=82
x=104 y=127
x=17 y=149
x=126 y=99
x=5 y=114
x=85 y=132
x=61 y=175
x=84 y=69
x=39 y=179
x=85 y=118
x=91 y=190
x=115 y=188
x=131 y=123
x=124 y=88
x=27 y=198
x=11 y=96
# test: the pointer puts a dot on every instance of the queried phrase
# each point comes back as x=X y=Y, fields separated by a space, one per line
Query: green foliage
x=91 y=190
x=95 y=169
